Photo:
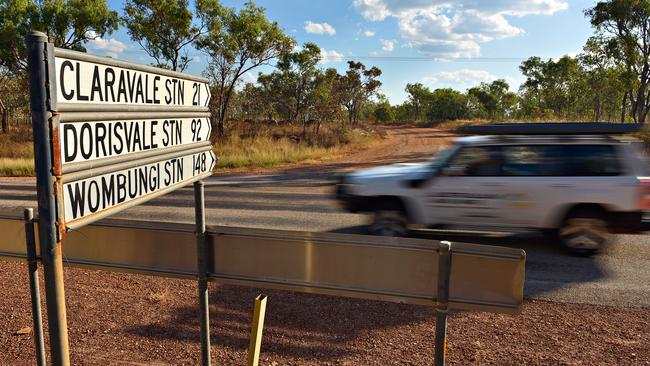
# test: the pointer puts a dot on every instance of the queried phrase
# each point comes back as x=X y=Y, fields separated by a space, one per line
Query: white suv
x=581 y=188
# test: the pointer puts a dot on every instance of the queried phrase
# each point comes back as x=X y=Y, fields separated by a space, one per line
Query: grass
x=16 y=167
x=269 y=150
x=16 y=154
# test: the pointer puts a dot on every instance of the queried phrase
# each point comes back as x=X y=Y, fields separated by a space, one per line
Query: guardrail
x=482 y=278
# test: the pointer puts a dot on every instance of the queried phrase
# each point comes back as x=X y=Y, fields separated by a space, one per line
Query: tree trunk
x=5 y=121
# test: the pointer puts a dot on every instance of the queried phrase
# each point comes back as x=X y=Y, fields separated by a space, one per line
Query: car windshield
x=442 y=156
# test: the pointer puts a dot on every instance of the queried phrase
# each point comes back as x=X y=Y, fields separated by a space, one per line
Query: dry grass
x=16 y=154
x=18 y=167
x=281 y=146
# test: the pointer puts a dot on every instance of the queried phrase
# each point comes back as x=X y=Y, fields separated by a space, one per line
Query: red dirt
x=125 y=319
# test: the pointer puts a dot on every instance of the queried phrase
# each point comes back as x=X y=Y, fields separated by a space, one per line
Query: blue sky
x=439 y=43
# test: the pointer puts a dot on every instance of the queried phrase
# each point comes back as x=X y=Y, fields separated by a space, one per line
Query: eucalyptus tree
x=236 y=42
x=625 y=25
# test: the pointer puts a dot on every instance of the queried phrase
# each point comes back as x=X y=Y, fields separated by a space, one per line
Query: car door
x=466 y=191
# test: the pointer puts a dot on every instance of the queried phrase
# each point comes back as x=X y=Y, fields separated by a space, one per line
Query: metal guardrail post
x=32 y=264
x=202 y=267
x=257 y=330
x=50 y=237
x=442 y=302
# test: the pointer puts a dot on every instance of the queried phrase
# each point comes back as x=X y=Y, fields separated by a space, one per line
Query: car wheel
x=389 y=223
x=584 y=232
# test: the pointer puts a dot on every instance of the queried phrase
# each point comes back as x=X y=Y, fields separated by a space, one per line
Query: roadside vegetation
x=326 y=109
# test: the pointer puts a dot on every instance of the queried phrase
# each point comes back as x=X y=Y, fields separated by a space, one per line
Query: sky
x=439 y=43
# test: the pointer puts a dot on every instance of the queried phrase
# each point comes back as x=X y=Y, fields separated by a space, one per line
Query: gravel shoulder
x=125 y=319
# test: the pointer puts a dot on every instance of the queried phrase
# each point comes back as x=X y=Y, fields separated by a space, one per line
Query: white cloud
x=368 y=33
x=248 y=77
x=107 y=47
x=463 y=78
x=319 y=28
x=387 y=45
x=447 y=29
x=330 y=56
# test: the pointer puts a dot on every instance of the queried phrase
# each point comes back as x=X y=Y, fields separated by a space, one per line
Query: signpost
x=109 y=135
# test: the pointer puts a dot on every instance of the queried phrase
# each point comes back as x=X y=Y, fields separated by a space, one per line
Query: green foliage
x=357 y=86
x=624 y=26
x=236 y=43
x=447 y=104
x=384 y=112
x=68 y=24
x=419 y=98
x=163 y=28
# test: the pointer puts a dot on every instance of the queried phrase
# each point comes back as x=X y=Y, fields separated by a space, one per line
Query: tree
x=447 y=104
x=419 y=96
x=383 y=111
x=625 y=25
x=493 y=100
x=163 y=28
x=327 y=101
x=300 y=68
x=356 y=86
x=236 y=43
x=68 y=24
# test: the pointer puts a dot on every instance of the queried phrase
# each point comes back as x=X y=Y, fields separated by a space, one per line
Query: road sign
x=83 y=82
x=87 y=141
x=125 y=133
x=109 y=135
x=96 y=194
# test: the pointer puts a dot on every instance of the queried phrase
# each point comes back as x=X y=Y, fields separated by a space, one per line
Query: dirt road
x=121 y=319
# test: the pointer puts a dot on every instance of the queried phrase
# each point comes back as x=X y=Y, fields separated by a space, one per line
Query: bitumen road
x=302 y=201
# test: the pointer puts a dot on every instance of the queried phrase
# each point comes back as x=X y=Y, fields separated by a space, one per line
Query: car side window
x=591 y=160
x=560 y=160
x=478 y=161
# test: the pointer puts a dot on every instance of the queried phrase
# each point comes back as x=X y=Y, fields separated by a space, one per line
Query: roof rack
x=552 y=128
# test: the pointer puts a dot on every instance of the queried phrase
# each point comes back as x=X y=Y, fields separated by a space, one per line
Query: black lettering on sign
x=108 y=191
x=66 y=64
x=100 y=136
x=121 y=188
x=109 y=80
x=69 y=142
x=94 y=197
x=86 y=141
x=77 y=198
x=119 y=138
x=96 y=86
x=156 y=79
x=121 y=89
x=131 y=83
x=78 y=76
x=168 y=97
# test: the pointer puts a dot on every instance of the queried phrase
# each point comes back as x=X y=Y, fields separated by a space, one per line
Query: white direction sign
x=90 y=196
x=82 y=82
x=86 y=141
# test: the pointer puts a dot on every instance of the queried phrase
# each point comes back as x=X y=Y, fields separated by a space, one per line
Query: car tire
x=584 y=232
x=389 y=223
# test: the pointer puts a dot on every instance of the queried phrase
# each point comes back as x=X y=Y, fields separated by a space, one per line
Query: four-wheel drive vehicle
x=580 y=188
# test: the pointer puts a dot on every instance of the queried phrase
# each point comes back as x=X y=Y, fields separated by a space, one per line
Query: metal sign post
x=202 y=269
x=30 y=241
x=49 y=233
x=109 y=135
x=442 y=301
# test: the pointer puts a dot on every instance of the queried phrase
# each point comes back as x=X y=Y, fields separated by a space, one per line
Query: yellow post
x=256 y=331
